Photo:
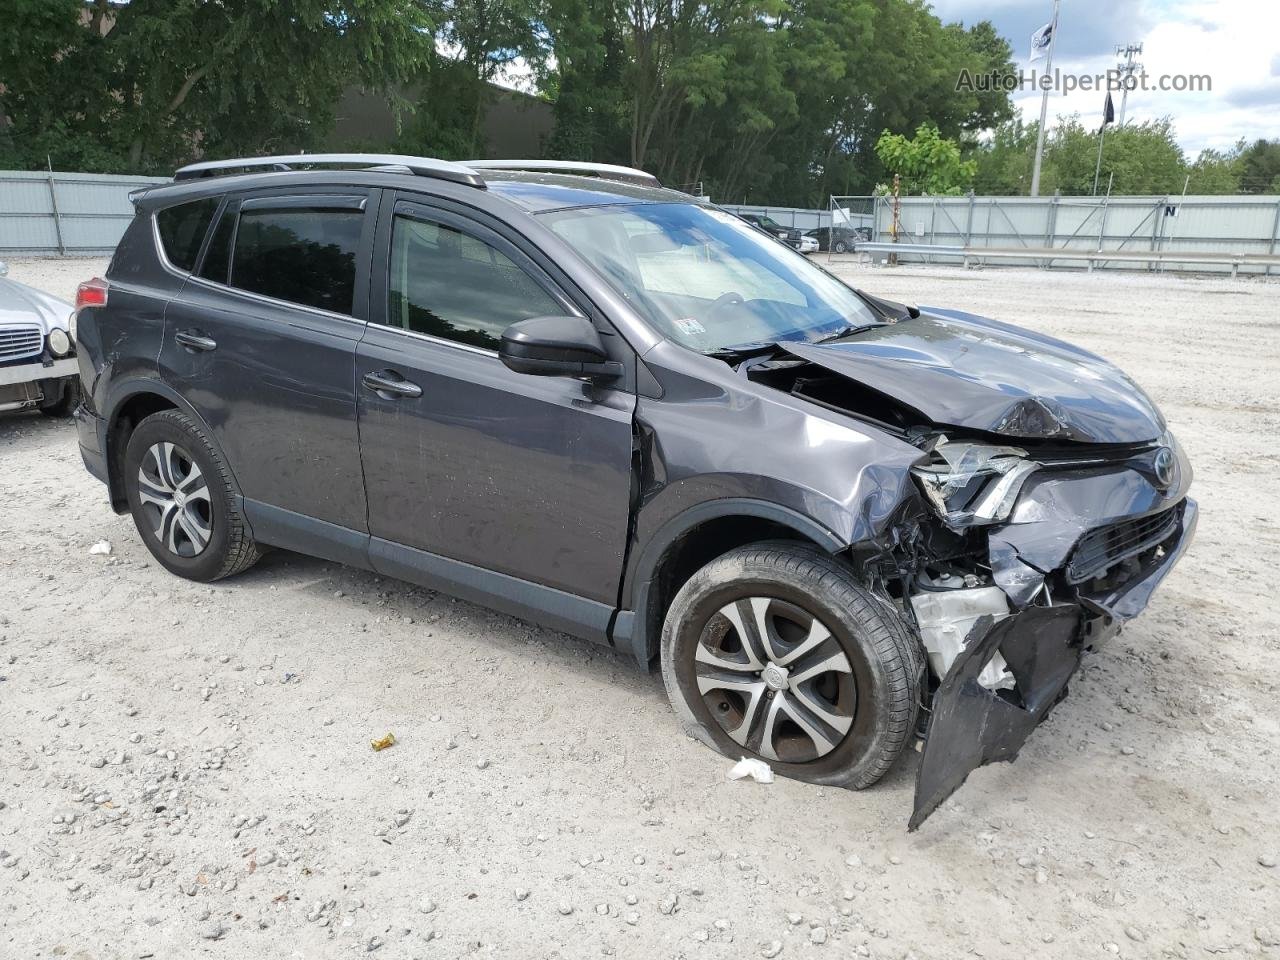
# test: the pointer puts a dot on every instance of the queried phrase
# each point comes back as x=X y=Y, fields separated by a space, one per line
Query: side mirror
x=556 y=347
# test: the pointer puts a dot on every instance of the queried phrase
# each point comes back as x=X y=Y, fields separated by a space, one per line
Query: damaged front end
x=1025 y=560
x=1043 y=522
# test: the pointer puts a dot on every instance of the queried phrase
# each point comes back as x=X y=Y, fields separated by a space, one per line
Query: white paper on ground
x=757 y=770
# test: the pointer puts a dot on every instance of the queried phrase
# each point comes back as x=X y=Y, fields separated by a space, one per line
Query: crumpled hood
x=960 y=370
x=22 y=304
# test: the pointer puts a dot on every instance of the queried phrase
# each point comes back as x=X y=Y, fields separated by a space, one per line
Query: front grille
x=20 y=341
x=1101 y=549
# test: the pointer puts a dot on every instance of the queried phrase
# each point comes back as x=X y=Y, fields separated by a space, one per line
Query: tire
x=66 y=399
x=788 y=581
x=202 y=534
x=840 y=246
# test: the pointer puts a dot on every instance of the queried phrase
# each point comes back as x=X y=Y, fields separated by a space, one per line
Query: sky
x=1235 y=42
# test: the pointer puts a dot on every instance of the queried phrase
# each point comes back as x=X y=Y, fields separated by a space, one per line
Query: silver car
x=37 y=350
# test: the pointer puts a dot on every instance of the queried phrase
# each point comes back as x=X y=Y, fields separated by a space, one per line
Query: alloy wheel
x=775 y=679
x=175 y=498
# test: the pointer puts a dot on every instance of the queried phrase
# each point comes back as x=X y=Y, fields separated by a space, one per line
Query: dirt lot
x=186 y=770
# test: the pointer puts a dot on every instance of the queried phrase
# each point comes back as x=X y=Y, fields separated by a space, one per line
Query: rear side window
x=299 y=254
x=182 y=230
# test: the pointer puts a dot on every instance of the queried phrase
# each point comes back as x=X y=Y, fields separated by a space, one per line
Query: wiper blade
x=850 y=331
x=741 y=350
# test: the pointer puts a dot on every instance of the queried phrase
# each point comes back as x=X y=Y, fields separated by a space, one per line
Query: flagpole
x=1097 y=170
x=1044 y=104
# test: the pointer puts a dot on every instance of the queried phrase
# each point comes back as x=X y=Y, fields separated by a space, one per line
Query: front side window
x=449 y=284
x=182 y=229
x=705 y=278
x=305 y=255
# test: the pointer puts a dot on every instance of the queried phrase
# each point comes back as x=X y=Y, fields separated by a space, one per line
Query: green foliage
x=1144 y=158
x=778 y=100
x=1260 y=167
x=143 y=86
x=928 y=163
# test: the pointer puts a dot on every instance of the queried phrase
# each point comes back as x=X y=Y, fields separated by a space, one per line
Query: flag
x=1040 y=41
x=1108 y=112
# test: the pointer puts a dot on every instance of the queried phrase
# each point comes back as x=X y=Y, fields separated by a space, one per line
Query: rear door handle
x=389 y=384
x=195 y=342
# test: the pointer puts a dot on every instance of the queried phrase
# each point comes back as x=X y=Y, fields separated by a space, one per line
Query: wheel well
x=131 y=413
x=694 y=550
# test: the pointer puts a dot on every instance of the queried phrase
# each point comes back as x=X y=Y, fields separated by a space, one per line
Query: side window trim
x=227 y=208
x=311 y=201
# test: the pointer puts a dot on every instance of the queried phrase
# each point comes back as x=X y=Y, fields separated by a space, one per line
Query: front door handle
x=195 y=342
x=389 y=384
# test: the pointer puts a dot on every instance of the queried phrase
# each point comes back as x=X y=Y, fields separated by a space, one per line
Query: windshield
x=706 y=279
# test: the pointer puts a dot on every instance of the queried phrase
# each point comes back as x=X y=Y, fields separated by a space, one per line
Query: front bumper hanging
x=972 y=725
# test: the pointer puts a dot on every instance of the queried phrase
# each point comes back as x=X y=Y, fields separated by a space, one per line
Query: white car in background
x=38 y=366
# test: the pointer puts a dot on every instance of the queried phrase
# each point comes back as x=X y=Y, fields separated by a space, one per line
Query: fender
x=633 y=629
x=117 y=396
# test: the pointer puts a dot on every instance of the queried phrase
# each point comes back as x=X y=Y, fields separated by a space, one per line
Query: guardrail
x=1046 y=255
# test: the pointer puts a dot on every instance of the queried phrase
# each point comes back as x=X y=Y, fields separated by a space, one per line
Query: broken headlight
x=971 y=484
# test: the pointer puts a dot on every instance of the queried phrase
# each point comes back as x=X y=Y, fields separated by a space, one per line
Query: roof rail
x=608 y=171
x=420 y=166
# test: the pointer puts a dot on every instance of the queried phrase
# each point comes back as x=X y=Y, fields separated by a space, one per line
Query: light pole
x=1126 y=68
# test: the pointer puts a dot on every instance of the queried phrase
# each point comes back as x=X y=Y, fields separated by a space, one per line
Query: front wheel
x=839 y=246
x=776 y=651
x=183 y=500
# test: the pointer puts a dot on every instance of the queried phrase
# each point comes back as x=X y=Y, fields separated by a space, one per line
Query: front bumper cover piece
x=971 y=725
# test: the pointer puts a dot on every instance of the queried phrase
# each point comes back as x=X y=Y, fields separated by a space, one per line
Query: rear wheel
x=775 y=651
x=183 y=501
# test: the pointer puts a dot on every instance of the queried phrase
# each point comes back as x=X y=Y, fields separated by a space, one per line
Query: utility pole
x=1126 y=68
x=1044 y=102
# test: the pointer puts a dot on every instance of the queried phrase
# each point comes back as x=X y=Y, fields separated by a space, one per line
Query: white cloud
x=1234 y=42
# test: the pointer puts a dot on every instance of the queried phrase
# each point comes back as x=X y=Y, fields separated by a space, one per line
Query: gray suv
x=569 y=394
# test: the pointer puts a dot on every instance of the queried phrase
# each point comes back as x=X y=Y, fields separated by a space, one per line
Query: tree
x=1260 y=167
x=482 y=38
x=928 y=163
x=142 y=86
x=1216 y=172
x=1143 y=158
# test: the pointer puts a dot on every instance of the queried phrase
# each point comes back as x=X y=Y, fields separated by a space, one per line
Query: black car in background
x=791 y=236
x=623 y=413
x=839 y=239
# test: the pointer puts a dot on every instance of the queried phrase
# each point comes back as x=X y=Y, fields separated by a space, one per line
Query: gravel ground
x=186 y=770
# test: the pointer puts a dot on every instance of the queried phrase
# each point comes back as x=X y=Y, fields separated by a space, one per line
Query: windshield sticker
x=690 y=327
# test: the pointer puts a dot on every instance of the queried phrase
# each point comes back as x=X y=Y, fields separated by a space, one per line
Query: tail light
x=91 y=293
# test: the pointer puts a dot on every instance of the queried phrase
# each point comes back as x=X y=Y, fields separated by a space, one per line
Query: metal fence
x=1169 y=225
x=79 y=214
x=85 y=214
